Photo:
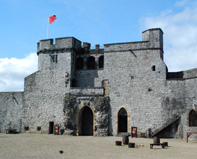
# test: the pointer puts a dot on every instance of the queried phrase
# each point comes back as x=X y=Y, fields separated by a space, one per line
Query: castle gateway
x=103 y=91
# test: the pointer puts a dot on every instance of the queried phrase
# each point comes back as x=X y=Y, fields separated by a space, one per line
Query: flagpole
x=51 y=19
x=48 y=29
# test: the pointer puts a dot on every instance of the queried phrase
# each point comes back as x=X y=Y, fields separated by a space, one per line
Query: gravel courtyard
x=43 y=146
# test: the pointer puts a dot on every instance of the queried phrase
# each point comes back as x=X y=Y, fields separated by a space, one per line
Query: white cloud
x=13 y=71
x=180 y=36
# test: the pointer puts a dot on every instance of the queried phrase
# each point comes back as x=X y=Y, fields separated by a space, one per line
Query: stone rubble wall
x=190 y=74
x=100 y=107
x=11 y=111
x=135 y=86
x=89 y=78
x=44 y=93
x=190 y=104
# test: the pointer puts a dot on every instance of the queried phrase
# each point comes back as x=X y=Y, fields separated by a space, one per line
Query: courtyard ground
x=43 y=146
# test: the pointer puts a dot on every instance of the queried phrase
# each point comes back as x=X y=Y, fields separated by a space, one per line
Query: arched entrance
x=86 y=121
x=192 y=118
x=122 y=120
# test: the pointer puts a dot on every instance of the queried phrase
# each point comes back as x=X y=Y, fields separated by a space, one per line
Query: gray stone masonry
x=11 y=111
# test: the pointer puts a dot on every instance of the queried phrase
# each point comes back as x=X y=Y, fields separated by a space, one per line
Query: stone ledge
x=99 y=91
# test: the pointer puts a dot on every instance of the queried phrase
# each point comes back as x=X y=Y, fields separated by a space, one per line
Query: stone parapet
x=60 y=43
x=152 y=39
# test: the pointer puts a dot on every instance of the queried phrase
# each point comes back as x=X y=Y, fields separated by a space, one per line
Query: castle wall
x=137 y=78
x=173 y=105
x=134 y=85
x=134 y=77
x=45 y=91
x=191 y=104
x=89 y=78
x=11 y=111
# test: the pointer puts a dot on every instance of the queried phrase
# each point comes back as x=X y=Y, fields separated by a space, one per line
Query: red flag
x=52 y=19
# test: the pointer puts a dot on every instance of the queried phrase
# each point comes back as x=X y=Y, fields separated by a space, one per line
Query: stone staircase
x=170 y=122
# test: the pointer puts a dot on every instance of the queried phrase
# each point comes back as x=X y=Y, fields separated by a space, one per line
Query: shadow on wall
x=110 y=120
x=170 y=131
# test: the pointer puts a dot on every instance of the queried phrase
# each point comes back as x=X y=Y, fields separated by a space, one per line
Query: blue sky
x=24 y=23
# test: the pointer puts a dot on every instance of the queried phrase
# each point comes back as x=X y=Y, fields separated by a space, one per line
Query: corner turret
x=154 y=36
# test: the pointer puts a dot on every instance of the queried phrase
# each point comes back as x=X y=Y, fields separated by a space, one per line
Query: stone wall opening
x=26 y=128
x=79 y=63
x=122 y=120
x=153 y=68
x=192 y=118
x=101 y=62
x=91 y=64
x=74 y=83
x=86 y=122
x=38 y=128
x=51 y=127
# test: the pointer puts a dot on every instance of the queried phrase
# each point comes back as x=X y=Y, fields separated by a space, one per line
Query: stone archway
x=122 y=120
x=192 y=118
x=86 y=122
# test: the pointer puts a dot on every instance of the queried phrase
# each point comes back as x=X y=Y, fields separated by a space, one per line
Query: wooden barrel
x=125 y=139
x=156 y=140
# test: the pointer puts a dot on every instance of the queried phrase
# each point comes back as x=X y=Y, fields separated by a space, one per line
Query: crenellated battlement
x=60 y=44
x=151 y=39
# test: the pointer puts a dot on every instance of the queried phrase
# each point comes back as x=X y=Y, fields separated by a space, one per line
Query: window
x=153 y=68
x=91 y=63
x=101 y=61
x=192 y=118
x=79 y=63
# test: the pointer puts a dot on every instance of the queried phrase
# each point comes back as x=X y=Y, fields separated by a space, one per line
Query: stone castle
x=103 y=91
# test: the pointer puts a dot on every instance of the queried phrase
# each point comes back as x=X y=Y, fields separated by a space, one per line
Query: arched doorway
x=192 y=118
x=122 y=120
x=86 y=121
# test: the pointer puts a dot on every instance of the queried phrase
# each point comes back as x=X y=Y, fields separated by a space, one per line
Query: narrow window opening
x=38 y=128
x=101 y=62
x=153 y=68
x=55 y=58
